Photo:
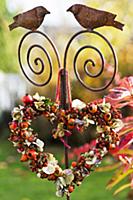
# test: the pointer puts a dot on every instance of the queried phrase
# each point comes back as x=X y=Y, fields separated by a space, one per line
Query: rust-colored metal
x=63 y=87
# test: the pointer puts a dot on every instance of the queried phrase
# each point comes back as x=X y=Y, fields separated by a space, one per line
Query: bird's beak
x=68 y=10
x=48 y=12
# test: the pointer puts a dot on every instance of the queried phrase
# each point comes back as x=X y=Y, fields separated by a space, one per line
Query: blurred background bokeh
x=16 y=181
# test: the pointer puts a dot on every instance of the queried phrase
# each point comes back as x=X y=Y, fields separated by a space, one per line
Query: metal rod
x=63 y=90
x=64 y=105
x=66 y=154
x=66 y=161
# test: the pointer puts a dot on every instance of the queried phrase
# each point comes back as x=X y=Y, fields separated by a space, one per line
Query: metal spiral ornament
x=38 y=60
x=90 y=61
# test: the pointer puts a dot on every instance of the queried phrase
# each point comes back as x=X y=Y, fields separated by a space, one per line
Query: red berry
x=70 y=188
x=107 y=116
x=27 y=99
x=30 y=139
x=24 y=125
x=23 y=158
x=32 y=154
x=71 y=123
x=92 y=108
x=74 y=164
x=13 y=125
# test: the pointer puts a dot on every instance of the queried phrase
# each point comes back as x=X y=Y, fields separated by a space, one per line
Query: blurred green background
x=16 y=181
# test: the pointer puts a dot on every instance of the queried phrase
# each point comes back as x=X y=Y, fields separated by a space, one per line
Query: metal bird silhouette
x=31 y=19
x=91 y=18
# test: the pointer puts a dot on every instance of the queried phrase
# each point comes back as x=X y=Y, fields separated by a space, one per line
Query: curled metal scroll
x=89 y=60
x=38 y=59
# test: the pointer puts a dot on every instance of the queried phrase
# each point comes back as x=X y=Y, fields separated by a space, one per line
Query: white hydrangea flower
x=38 y=97
x=105 y=107
x=69 y=177
x=59 y=193
x=17 y=113
x=92 y=162
x=39 y=144
x=39 y=175
x=88 y=121
x=15 y=144
x=76 y=103
x=27 y=143
x=51 y=159
x=49 y=169
x=100 y=129
x=60 y=184
x=117 y=125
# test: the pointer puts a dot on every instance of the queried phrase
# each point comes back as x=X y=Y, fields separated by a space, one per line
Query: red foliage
x=122 y=95
x=82 y=149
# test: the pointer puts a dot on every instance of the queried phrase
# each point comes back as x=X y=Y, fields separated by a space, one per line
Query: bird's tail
x=118 y=25
x=12 y=26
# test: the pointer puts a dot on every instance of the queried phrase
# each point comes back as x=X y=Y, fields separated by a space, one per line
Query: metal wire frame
x=63 y=81
x=91 y=61
x=89 y=74
x=38 y=59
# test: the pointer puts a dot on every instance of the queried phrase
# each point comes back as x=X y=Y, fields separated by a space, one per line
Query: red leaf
x=123 y=94
x=82 y=149
x=125 y=142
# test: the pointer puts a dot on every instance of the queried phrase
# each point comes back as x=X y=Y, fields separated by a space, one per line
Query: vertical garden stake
x=65 y=100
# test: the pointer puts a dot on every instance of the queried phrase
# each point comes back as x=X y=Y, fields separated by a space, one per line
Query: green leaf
x=126 y=152
x=123 y=187
x=118 y=177
x=108 y=168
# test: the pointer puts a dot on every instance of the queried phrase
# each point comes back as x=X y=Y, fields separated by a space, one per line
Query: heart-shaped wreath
x=106 y=119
